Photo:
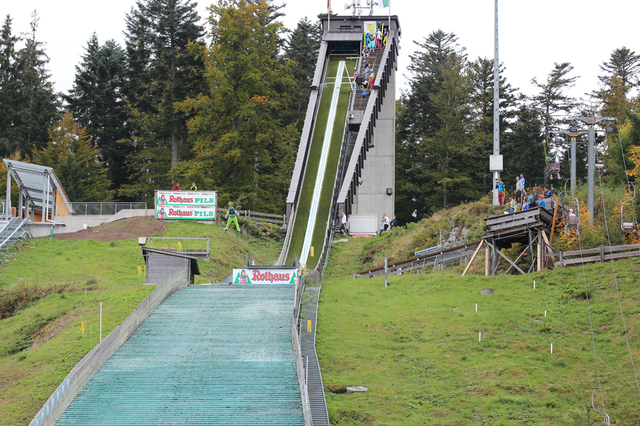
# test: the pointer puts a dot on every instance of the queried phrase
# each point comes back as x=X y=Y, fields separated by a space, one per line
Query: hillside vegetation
x=428 y=357
x=50 y=295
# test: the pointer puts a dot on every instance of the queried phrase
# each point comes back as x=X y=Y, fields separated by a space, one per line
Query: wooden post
x=539 y=251
x=553 y=224
x=475 y=253
x=601 y=253
x=487 y=261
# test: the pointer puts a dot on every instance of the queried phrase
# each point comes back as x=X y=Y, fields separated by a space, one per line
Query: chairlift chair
x=627 y=215
x=572 y=214
x=554 y=167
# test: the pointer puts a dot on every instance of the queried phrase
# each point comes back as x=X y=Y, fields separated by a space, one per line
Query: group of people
x=376 y=40
x=176 y=187
x=537 y=197
x=385 y=223
x=363 y=81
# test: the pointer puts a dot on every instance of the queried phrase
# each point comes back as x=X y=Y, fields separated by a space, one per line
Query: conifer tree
x=96 y=101
x=163 y=71
x=302 y=47
x=552 y=100
x=244 y=123
x=621 y=75
x=29 y=100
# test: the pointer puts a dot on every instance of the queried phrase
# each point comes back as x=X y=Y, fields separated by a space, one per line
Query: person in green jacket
x=232 y=217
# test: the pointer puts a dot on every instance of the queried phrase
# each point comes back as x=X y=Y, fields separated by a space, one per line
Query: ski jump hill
x=226 y=354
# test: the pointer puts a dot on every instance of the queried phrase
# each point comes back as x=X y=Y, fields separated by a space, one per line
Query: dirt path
x=119 y=230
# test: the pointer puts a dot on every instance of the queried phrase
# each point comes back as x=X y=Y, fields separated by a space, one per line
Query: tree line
x=221 y=107
x=444 y=127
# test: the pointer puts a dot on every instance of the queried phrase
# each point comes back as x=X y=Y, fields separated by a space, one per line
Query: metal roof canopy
x=37 y=183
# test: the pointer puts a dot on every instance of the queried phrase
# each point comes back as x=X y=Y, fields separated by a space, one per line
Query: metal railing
x=301 y=366
x=99 y=209
x=278 y=219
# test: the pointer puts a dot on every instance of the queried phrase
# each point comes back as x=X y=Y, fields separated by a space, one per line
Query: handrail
x=301 y=367
x=369 y=118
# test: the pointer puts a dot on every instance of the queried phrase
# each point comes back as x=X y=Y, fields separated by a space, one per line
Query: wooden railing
x=279 y=219
x=598 y=254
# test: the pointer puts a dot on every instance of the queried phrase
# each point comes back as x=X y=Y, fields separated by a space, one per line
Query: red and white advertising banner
x=194 y=205
x=187 y=198
x=265 y=276
x=186 y=212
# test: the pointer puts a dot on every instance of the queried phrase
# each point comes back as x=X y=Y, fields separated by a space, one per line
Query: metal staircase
x=13 y=231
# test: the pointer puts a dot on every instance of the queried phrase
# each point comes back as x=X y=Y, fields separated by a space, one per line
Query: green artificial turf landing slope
x=304 y=203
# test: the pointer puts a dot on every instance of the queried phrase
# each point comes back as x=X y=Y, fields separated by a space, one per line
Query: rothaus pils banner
x=186 y=212
x=193 y=205
x=265 y=276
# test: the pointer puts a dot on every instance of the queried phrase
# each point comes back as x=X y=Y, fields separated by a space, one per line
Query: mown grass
x=44 y=284
x=304 y=205
x=416 y=346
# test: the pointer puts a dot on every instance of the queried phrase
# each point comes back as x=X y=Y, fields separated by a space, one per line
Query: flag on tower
x=329 y=4
x=383 y=3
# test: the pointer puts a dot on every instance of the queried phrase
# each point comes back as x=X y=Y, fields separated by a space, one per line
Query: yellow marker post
x=139 y=271
x=82 y=327
x=308 y=326
x=179 y=245
x=311 y=252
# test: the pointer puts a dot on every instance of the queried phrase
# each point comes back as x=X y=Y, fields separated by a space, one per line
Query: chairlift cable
x=624 y=165
x=615 y=279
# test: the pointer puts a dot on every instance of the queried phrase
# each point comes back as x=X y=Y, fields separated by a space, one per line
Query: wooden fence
x=278 y=219
x=598 y=254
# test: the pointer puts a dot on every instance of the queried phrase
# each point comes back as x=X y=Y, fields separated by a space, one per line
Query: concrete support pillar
x=7 y=213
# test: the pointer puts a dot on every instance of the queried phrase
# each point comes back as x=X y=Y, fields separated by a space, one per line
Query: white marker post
x=545 y=314
x=476 y=307
x=552 y=348
x=534 y=284
x=480 y=337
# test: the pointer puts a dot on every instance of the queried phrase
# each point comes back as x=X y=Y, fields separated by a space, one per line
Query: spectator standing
x=193 y=186
x=386 y=221
x=343 y=225
x=358 y=83
x=394 y=222
x=512 y=205
x=519 y=189
x=500 y=188
x=176 y=187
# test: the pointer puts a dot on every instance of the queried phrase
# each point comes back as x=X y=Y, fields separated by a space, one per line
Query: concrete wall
x=94 y=360
x=379 y=172
x=68 y=224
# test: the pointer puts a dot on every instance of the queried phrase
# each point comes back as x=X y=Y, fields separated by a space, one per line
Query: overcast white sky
x=533 y=35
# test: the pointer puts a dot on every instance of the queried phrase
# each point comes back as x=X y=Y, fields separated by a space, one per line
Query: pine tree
x=621 y=76
x=551 y=100
x=433 y=149
x=481 y=74
x=8 y=85
x=30 y=102
x=302 y=47
x=96 y=101
x=76 y=162
x=244 y=123
x=163 y=44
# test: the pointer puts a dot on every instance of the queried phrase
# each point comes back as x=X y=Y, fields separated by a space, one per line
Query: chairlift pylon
x=627 y=215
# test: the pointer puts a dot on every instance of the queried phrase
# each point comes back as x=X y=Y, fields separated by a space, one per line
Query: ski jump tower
x=364 y=178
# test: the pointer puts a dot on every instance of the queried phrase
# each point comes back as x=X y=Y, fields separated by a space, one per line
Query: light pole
x=495 y=161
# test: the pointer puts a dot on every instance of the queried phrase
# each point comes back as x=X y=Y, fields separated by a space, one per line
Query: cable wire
x=615 y=279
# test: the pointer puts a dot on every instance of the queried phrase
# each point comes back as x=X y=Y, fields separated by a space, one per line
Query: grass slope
x=43 y=340
x=415 y=344
x=304 y=203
